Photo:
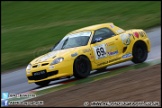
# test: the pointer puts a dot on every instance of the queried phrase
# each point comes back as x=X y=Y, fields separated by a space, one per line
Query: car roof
x=93 y=27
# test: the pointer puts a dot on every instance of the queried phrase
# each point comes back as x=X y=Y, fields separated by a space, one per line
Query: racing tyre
x=139 y=52
x=81 y=67
x=42 y=83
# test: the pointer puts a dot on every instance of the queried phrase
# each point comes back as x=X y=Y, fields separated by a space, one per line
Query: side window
x=104 y=33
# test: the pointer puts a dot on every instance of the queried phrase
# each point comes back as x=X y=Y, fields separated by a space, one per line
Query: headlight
x=29 y=67
x=58 y=60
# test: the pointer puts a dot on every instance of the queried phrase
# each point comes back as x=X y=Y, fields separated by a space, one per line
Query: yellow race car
x=90 y=48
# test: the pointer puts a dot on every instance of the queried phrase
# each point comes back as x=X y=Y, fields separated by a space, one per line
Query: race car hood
x=49 y=57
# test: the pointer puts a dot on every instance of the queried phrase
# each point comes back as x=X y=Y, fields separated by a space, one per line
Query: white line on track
x=47 y=87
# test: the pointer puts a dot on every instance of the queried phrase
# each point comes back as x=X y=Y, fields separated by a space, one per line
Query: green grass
x=31 y=28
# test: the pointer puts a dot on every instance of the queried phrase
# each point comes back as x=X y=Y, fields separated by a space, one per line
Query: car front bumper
x=42 y=73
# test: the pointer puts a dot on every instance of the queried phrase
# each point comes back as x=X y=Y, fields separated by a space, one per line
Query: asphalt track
x=16 y=81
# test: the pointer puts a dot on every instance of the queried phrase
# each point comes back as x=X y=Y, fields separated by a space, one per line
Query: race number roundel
x=100 y=51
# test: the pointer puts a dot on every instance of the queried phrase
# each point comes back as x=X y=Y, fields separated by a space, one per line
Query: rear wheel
x=82 y=67
x=139 y=52
x=42 y=83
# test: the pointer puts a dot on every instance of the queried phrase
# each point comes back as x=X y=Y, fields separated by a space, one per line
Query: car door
x=114 y=48
x=106 y=46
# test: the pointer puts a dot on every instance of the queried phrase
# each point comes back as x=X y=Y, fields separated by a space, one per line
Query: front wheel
x=42 y=83
x=139 y=52
x=81 y=67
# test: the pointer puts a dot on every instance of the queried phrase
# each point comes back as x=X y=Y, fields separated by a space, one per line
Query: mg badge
x=38 y=65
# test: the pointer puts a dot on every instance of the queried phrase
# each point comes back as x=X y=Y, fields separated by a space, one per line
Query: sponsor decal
x=51 y=67
x=109 y=43
x=103 y=63
x=131 y=35
x=136 y=34
x=125 y=38
x=47 y=56
x=127 y=55
x=85 y=33
x=73 y=55
x=92 y=56
x=119 y=31
x=106 y=44
x=86 y=50
x=100 y=51
x=111 y=49
x=113 y=53
x=111 y=25
x=141 y=33
x=112 y=60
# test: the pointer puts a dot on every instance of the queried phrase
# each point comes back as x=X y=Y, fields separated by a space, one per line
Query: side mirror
x=50 y=49
x=54 y=46
x=98 y=39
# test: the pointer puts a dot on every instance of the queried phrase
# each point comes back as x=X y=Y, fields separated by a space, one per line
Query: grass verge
x=31 y=28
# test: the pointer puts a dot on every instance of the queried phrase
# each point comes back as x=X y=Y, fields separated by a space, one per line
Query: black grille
x=35 y=66
x=45 y=64
x=42 y=74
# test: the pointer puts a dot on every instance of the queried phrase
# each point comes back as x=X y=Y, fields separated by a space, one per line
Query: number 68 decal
x=100 y=51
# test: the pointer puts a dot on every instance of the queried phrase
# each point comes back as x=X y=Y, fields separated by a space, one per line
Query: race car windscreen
x=73 y=40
